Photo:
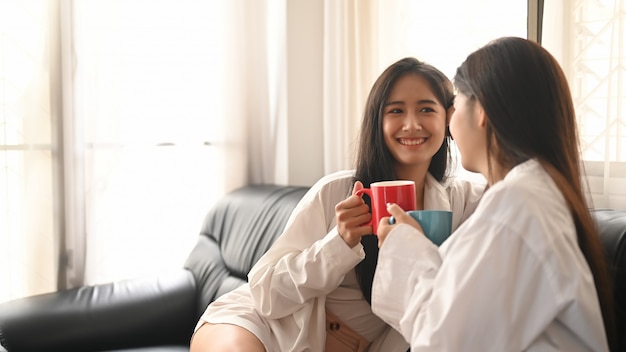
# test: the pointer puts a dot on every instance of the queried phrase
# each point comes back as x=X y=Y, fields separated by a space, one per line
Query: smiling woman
x=414 y=122
x=364 y=37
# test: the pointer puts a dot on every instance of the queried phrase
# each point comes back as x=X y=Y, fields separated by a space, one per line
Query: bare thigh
x=224 y=338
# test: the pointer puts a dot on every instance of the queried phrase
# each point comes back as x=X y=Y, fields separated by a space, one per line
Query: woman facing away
x=311 y=290
x=526 y=271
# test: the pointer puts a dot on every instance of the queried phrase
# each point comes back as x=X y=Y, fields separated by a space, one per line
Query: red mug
x=401 y=192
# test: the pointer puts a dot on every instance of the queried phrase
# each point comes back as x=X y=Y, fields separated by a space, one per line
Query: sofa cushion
x=154 y=308
x=236 y=232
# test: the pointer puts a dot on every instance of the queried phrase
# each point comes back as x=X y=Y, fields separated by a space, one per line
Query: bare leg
x=224 y=338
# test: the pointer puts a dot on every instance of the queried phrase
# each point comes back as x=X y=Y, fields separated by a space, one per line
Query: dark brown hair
x=376 y=163
x=530 y=115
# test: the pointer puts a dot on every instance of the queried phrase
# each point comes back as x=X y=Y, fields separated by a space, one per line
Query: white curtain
x=28 y=113
x=158 y=101
x=350 y=66
x=259 y=91
x=179 y=102
x=123 y=121
x=587 y=37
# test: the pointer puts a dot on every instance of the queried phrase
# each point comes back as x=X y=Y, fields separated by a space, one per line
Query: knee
x=223 y=338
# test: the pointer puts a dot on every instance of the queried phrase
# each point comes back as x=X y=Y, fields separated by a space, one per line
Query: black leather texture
x=612 y=227
x=234 y=236
x=123 y=314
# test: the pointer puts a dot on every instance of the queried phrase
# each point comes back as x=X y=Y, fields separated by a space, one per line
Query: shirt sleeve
x=486 y=289
x=310 y=259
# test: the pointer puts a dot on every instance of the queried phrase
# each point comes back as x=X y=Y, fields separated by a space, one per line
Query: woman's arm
x=310 y=258
x=485 y=288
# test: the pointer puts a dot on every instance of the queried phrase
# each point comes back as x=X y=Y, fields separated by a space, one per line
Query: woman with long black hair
x=526 y=271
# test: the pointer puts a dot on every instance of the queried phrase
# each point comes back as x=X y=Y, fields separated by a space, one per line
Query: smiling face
x=414 y=122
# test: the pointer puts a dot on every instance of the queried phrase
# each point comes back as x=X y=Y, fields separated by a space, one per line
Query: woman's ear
x=482 y=117
x=481 y=113
x=448 y=117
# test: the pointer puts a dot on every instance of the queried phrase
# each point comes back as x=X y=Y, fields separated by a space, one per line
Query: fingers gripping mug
x=401 y=192
x=437 y=224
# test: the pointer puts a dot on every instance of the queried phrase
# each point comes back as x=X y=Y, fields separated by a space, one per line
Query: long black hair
x=530 y=115
x=376 y=163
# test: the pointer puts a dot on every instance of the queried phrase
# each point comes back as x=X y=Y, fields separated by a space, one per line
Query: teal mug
x=437 y=224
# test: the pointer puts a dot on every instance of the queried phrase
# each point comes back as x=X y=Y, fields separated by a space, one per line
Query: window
x=588 y=38
x=27 y=150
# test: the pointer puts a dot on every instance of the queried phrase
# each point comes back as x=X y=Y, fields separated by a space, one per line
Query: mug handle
x=360 y=193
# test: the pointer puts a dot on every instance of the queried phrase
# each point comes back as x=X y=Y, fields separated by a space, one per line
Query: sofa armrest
x=145 y=311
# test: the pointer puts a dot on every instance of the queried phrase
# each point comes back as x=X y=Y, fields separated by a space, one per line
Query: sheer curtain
x=28 y=106
x=176 y=103
x=350 y=67
x=587 y=37
x=259 y=84
x=163 y=97
x=122 y=123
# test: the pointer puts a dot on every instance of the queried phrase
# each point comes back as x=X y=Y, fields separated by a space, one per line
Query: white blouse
x=510 y=278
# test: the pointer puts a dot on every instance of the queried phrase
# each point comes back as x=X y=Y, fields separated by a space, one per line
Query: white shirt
x=310 y=267
x=510 y=278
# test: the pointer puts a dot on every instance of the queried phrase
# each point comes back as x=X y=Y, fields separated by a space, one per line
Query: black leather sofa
x=155 y=313
x=158 y=313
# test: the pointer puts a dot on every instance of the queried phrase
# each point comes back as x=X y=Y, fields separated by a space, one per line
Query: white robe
x=510 y=278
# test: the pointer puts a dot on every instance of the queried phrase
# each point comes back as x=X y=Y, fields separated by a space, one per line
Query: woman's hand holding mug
x=400 y=216
x=400 y=192
x=351 y=214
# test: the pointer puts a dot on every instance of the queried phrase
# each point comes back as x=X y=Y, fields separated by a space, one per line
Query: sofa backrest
x=236 y=232
x=612 y=228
